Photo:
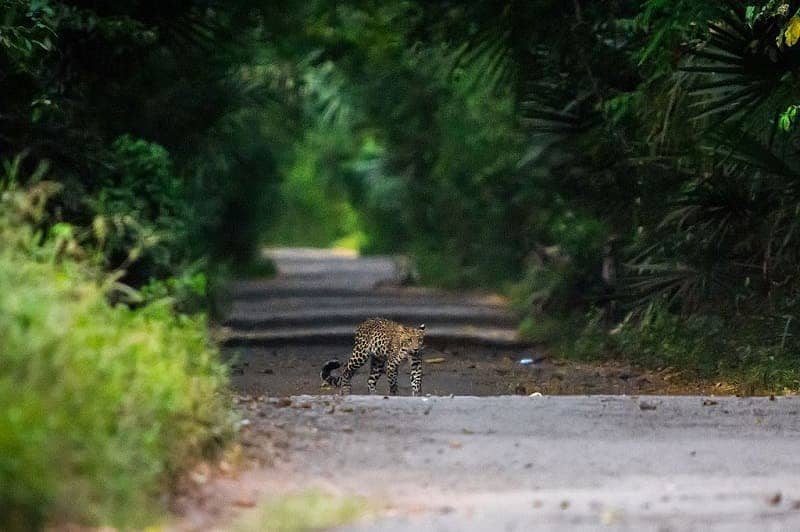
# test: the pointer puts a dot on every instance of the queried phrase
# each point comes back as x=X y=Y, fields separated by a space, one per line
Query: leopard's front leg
x=416 y=375
x=391 y=375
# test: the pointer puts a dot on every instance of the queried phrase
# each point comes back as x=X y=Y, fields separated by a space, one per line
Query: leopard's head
x=413 y=341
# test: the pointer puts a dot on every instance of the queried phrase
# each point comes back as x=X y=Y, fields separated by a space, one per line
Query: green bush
x=662 y=338
x=100 y=405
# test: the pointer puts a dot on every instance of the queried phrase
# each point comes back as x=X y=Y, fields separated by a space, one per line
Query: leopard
x=386 y=344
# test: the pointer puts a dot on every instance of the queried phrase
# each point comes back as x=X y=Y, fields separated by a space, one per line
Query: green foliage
x=659 y=338
x=314 y=206
x=155 y=114
x=142 y=213
x=100 y=405
x=699 y=345
x=187 y=291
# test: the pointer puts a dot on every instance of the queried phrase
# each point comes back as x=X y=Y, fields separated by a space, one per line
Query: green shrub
x=142 y=212
x=100 y=405
x=661 y=338
x=739 y=350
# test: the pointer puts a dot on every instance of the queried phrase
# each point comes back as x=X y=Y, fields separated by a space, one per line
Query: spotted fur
x=386 y=345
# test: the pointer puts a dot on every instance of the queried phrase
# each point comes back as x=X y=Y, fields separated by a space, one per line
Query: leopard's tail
x=325 y=374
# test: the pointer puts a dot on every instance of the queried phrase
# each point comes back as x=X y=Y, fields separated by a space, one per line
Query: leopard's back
x=384 y=338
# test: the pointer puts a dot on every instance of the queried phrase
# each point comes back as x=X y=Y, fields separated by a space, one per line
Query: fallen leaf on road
x=647 y=406
x=283 y=402
x=434 y=360
x=244 y=503
x=564 y=505
x=775 y=500
x=455 y=445
x=466 y=431
x=709 y=402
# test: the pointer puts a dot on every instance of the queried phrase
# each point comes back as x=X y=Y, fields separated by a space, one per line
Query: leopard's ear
x=421 y=326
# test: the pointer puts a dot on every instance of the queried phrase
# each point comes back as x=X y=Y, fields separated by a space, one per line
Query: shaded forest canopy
x=611 y=164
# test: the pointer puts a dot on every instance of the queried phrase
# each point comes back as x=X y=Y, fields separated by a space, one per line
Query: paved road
x=319 y=296
x=492 y=463
x=552 y=463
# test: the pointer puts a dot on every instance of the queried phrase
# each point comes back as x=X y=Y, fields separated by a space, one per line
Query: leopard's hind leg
x=357 y=359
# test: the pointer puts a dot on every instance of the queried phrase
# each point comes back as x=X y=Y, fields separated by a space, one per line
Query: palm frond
x=739 y=70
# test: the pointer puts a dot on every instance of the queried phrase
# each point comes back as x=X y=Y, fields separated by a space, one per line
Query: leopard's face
x=413 y=339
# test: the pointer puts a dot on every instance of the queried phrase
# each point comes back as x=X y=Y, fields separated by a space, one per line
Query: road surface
x=492 y=463
x=548 y=462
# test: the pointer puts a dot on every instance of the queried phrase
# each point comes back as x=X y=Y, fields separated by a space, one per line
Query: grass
x=303 y=512
x=101 y=405
x=744 y=355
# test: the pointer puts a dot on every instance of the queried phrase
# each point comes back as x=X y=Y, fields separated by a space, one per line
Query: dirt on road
x=281 y=331
x=466 y=371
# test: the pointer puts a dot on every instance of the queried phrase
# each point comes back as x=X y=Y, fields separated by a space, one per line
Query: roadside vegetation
x=102 y=405
x=131 y=185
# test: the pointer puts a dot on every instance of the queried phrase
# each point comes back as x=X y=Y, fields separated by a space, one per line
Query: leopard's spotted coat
x=386 y=344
